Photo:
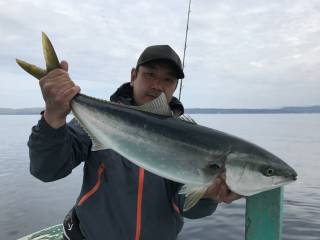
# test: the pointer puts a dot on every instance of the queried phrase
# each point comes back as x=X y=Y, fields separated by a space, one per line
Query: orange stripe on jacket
x=175 y=207
x=96 y=186
x=139 y=203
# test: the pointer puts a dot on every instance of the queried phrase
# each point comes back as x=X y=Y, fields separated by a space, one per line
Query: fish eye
x=268 y=172
x=214 y=166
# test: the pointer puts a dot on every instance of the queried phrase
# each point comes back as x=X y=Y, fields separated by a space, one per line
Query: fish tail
x=35 y=71
x=50 y=57
x=193 y=195
x=49 y=53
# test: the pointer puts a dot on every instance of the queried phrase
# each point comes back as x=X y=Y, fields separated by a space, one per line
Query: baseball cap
x=161 y=52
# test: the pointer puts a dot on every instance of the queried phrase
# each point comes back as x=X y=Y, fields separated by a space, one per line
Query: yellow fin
x=50 y=57
x=49 y=53
x=193 y=195
x=32 y=69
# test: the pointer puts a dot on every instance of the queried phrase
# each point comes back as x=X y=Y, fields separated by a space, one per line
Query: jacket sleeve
x=205 y=207
x=55 y=152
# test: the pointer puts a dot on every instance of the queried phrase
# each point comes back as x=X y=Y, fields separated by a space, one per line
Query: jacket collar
x=124 y=94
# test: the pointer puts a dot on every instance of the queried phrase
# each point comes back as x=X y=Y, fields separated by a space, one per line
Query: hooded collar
x=124 y=94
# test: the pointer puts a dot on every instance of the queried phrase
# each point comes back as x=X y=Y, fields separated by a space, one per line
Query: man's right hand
x=58 y=91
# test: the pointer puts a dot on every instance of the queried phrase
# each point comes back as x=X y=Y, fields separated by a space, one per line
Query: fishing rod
x=185 y=46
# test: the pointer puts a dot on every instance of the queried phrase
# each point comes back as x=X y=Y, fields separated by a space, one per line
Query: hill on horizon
x=291 y=109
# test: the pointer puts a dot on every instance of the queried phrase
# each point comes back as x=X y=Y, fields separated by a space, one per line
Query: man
x=118 y=199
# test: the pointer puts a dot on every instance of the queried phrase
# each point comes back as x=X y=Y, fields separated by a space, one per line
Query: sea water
x=28 y=205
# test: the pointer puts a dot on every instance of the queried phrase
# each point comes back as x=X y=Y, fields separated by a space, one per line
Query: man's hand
x=220 y=192
x=58 y=91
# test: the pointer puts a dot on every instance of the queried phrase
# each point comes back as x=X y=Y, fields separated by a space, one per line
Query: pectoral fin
x=193 y=195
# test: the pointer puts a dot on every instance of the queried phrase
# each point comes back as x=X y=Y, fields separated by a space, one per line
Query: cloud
x=239 y=54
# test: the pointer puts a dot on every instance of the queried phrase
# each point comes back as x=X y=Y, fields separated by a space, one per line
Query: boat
x=51 y=233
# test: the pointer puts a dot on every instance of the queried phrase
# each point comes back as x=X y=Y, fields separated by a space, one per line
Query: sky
x=240 y=54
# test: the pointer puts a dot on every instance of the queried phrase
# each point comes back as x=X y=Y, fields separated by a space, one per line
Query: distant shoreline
x=20 y=111
x=284 y=110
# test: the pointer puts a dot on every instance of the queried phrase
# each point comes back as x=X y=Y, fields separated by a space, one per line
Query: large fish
x=174 y=148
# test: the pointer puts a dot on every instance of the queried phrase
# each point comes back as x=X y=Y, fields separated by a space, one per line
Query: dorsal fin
x=157 y=106
x=188 y=119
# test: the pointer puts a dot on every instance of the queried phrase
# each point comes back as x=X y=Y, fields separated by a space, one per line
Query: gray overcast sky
x=240 y=53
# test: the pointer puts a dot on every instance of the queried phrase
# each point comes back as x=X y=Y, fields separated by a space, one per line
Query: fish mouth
x=285 y=180
x=292 y=175
x=288 y=176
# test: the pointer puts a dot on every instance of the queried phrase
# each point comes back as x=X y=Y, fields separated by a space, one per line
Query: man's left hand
x=220 y=192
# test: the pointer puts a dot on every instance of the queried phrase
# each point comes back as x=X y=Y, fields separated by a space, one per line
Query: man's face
x=151 y=80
